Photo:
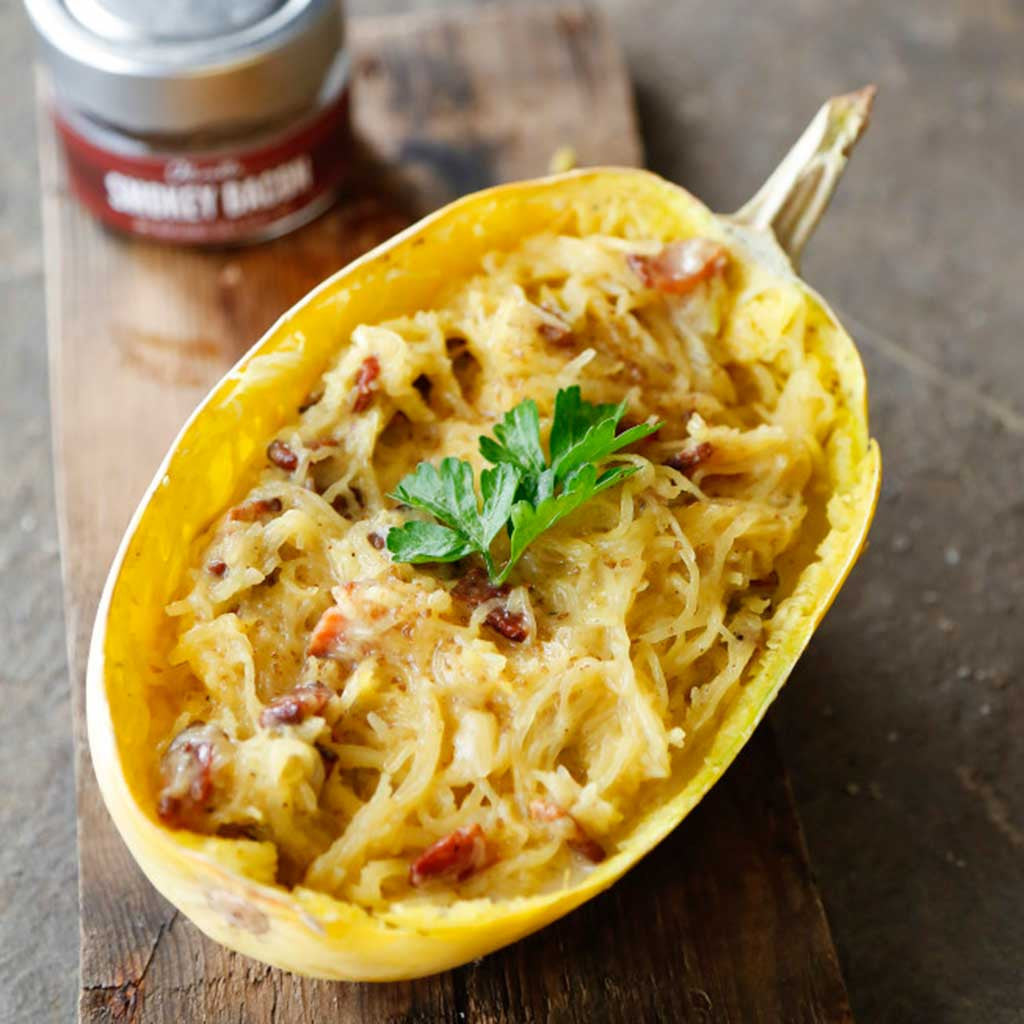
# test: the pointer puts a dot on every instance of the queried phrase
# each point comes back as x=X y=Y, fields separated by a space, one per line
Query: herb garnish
x=523 y=492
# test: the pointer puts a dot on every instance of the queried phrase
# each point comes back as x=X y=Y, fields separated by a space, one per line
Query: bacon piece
x=560 y=335
x=690 y=458
x=369 y=371
x=680 y=266
x=298 y=705
x=376 y=540
x=250 y=511
x=587 y=847
x=558 y=332
x=217 y=567
x=544 y=810
x=327 y=633
x=511 y=625
x=282 y=456
x=475 y=588
x=456 y=857
x=577 y=838
x=188 y=769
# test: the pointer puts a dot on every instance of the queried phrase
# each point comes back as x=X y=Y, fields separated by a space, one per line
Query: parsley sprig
x=525 y=492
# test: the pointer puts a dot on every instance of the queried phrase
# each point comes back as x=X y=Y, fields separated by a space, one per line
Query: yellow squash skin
x=226 y=886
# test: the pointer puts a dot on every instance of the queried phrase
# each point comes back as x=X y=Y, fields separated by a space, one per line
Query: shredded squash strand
x=642 y=611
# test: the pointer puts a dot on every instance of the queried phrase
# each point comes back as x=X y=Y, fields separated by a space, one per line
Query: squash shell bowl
x=226 y=886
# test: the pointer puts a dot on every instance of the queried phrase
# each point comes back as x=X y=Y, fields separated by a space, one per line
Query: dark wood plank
x=723 y=921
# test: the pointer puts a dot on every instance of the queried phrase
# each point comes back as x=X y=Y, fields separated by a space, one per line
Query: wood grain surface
x=722 y=922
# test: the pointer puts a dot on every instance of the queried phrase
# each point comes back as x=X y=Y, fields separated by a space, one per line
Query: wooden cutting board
x=722 y=922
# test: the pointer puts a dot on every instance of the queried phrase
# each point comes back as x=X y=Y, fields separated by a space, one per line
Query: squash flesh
x=225 y=886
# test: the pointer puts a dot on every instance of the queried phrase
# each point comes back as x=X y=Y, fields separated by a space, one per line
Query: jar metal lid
x=171 y=67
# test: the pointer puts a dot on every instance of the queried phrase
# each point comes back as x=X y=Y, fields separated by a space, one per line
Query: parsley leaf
x=498 y=487
x=419 y=541
x=518 y=444
x=518 y=440
x=448 y=494
x=529 y=522
x=523 y=492
x=583 y=433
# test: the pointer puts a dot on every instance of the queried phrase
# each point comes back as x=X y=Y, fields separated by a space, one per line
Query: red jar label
x=208 y=199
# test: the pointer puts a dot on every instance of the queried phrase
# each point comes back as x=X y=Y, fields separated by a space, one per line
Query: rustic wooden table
x=902 y=726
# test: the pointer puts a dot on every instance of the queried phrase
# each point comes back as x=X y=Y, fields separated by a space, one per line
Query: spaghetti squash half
x=356 y=767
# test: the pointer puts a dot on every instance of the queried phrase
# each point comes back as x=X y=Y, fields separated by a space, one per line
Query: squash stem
x=791 y=202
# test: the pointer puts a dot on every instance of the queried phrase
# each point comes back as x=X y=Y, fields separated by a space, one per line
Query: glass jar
x=205 y=122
